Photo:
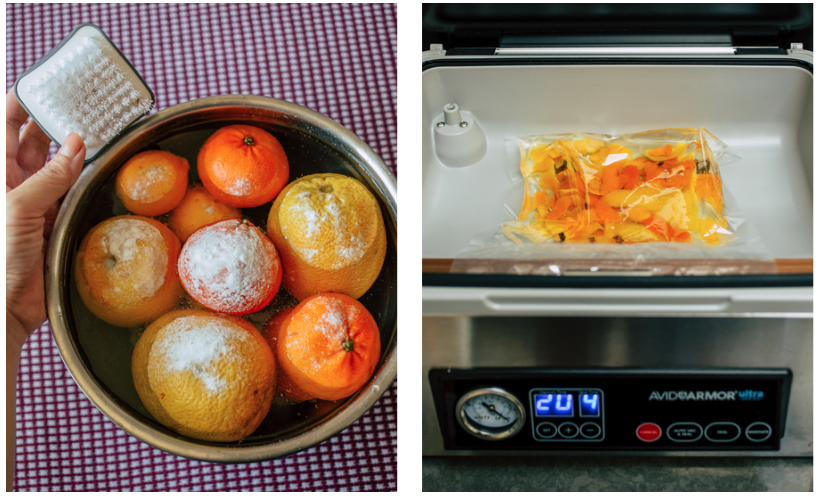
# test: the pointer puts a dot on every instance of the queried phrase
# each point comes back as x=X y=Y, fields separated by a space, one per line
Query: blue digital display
x=554 y=405
x=590 y=405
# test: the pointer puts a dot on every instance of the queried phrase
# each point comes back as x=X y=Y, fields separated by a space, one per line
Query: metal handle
x=633 y=51
x=607 y=304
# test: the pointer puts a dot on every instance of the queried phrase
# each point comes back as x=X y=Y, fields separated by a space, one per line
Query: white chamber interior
x=764 y=114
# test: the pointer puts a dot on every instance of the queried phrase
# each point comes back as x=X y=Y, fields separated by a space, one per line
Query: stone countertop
x=624 y=474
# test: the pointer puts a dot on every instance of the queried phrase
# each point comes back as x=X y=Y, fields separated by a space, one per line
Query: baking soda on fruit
x=230 y=267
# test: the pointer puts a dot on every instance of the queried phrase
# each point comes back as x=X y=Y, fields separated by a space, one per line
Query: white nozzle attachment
x=452 y=116
x=459 y=139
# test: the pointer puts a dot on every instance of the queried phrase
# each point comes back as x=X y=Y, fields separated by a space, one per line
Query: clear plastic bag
x=644 y=187
x=650 y=202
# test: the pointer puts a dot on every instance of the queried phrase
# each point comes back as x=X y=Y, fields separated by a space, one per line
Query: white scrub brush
x=85 y=86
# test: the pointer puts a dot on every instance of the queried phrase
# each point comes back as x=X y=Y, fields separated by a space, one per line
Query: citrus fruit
x=125 y=270
x=330 y=234
x=284 y=385
x=152 y=182
x=230 y=267
x=329 y=346
x=196 y=210
x=204 y=375
x=243 y=166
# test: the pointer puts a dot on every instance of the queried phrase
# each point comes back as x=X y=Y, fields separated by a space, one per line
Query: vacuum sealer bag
x=649 y=201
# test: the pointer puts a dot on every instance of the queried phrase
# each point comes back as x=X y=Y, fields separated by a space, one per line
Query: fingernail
x=72 y=145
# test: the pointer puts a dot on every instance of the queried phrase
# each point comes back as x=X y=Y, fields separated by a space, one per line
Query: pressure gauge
x=490 y=413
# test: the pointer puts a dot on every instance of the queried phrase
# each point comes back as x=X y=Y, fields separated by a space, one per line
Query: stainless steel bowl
x=98 y=355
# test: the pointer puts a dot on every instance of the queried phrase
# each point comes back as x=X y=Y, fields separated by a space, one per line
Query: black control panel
x=612 y=409
x=567 y=414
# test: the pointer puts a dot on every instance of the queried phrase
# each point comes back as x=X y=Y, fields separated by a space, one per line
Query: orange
x=243 y=166
x=152 y=182
x=284 y=385
x=126 y=270
x=230 y=267
x=196 y=210
x=330 y=234
x=329 y=346
x=204 y=375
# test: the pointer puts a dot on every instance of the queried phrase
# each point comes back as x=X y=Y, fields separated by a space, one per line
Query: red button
x=649 y=432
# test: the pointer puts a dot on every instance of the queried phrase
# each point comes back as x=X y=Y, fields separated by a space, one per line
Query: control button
x=546 y=430
x=649 y=432
x=590 y=430
x=722 y=432
x=568 y=430
x=758 y=432
x=684 y=432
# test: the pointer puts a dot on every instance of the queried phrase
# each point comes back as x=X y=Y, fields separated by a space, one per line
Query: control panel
x=612 y=409
x=567 y=414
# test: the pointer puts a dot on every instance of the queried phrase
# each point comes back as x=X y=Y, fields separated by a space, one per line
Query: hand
x=33 y=192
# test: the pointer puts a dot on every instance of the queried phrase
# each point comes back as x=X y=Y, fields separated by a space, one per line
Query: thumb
x=40 y=191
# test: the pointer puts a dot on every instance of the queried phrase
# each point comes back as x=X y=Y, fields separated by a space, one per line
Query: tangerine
x=330 y=234
x=204 y=375
x=230 y=267
x=284 y=385
x=329 y=346
x=152 y=182
x=243 y=166
x=125 y=270
x=196 y=210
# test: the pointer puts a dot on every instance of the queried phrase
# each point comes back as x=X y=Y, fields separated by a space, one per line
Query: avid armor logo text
x=715 y=395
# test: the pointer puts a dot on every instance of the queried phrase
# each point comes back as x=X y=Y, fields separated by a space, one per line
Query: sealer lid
x=476 y=28
x=84 y=85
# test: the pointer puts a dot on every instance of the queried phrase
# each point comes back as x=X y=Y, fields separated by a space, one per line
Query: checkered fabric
x=339 y=60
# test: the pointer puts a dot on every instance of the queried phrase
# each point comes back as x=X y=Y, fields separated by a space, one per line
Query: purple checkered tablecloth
x=339 y=60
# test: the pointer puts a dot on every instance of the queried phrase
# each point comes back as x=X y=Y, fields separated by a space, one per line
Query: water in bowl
x=106 y=349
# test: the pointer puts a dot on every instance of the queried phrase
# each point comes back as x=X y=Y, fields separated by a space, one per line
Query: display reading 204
x=567 y=404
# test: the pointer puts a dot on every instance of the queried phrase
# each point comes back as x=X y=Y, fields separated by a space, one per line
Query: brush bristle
x=86 y=91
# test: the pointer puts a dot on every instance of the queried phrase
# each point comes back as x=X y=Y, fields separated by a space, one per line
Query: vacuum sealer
x=632 y=364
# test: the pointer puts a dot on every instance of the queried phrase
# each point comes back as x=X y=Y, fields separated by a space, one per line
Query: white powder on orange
x=139 y=255
x=333 y=323
x=241 y=187
x=198 y=345
x=228 y=262
x=311 y=217
x=308 y=254
x=144 y=189
x=320 y=230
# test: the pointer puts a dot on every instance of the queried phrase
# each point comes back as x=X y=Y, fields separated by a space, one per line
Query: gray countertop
x=625 y=474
